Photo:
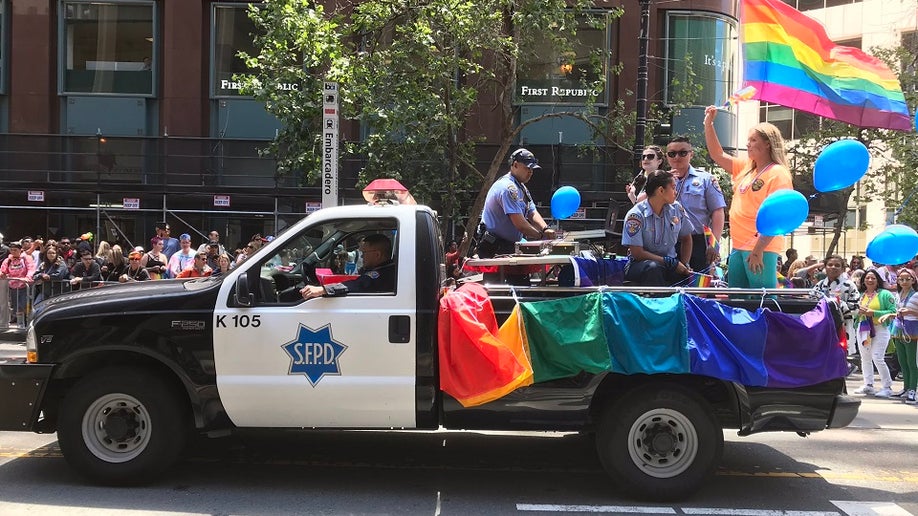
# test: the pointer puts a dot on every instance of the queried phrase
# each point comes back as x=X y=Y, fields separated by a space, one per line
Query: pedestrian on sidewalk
x=872 y=334
x=905 y=332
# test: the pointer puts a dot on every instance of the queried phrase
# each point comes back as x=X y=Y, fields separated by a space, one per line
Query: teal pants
x=906 y=352
x=739 y=275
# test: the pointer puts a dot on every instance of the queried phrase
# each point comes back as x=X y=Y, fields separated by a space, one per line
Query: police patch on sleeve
x=314 y=353
x=633 y=225
x=514 y=192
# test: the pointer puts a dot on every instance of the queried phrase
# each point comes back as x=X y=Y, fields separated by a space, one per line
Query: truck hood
x=145 y=296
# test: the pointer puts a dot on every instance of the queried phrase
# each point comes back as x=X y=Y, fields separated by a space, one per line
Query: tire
x=123 y=427
x=659 y=442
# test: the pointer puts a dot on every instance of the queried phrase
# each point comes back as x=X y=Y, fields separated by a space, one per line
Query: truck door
x=327 y=362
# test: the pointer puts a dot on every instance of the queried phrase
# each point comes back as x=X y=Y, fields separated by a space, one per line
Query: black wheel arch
x=203 y=399
x=720 y=395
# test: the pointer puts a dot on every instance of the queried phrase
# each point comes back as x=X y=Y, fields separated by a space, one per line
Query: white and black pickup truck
x=125 y=374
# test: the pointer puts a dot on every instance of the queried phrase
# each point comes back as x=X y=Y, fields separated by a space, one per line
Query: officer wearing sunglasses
x=700 y=195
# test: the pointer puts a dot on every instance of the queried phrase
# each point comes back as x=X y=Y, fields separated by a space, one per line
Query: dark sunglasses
x=681 y=153
x=649 y=156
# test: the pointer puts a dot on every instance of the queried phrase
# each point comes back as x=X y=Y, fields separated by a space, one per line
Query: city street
x=868 y=468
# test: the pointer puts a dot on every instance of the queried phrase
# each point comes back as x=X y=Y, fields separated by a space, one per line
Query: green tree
x=411 y=73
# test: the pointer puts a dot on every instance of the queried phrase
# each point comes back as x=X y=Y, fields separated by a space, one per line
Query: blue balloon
x=897 y=244
x=781 y=213
x=565 y=202
x=916 y=119
x=840 y=165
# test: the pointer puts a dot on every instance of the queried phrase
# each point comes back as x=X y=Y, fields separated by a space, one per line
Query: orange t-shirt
x=749 y=192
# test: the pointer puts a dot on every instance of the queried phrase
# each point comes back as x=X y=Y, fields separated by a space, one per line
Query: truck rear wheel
x=659 y=443
x=122 y=426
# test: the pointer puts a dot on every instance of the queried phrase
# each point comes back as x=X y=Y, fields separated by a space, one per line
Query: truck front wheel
x=659 y=443
x=122 y=426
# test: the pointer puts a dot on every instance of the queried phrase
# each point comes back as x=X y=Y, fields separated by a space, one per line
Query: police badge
x=514 y=192
x=633 y=225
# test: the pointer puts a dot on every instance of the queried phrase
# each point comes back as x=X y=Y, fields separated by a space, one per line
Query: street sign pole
x=329 y=144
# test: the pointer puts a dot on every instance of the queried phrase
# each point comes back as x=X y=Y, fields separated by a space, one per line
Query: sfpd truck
x=126 y=374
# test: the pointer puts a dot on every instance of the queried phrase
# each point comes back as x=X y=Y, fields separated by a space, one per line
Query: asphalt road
x=868 y=468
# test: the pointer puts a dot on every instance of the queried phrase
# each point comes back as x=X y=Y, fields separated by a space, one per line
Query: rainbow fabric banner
x=620 y=332
x=791 y=61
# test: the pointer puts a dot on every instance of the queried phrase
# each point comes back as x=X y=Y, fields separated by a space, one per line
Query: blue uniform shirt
x=699 y=193
x=657 y=235
x=506 y=196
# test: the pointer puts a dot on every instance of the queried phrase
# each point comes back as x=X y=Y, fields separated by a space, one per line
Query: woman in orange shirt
x=754 y=260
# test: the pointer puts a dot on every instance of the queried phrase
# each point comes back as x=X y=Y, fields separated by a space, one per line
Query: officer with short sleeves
x=377 y=275
x=653 y=227
x=510 y=214
x=700 y=194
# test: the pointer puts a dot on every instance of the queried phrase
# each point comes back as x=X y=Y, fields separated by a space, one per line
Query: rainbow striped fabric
x=624 y=333
x=791 y=61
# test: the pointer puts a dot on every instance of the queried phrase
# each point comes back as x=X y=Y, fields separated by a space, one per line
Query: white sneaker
x=884 y=393
x=910 y=397
x=867 y=389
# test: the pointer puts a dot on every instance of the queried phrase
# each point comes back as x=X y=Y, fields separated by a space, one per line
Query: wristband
x=670 y=262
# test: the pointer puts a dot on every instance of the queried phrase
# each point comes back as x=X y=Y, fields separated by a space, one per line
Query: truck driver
x=377 y=275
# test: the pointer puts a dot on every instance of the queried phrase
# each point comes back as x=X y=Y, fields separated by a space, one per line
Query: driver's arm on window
x=311 y=291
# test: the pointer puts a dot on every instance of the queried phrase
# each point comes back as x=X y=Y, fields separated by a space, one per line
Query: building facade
x=116 y=114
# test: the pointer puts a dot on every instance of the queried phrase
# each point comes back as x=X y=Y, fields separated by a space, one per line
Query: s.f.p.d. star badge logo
x=314 y=353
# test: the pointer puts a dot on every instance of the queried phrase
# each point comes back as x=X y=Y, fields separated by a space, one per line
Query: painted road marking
x=870 y=508
x=848 y=508
x=620 y=509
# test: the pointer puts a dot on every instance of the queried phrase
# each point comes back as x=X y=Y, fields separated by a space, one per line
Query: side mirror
x=243 y=296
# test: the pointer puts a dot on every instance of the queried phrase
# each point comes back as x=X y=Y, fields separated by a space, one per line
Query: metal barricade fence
x=16 y=303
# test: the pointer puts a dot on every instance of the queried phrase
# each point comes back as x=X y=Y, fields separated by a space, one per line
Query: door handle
x=399 y=329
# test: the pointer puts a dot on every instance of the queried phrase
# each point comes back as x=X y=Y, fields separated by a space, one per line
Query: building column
x=184 y=67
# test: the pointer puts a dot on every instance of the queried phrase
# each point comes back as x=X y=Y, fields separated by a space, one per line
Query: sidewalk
x=885 y=413
x=12 y=342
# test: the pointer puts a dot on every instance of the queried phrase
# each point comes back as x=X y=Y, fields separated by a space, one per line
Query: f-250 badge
x=314 y=353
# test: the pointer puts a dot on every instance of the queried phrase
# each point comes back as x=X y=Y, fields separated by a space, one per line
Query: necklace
x=743 y=188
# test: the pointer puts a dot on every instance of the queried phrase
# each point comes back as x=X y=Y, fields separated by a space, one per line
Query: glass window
x=232 y=33
x=3 y=33
x=108 y=47
x=323 y=254
x=792 y=123
x=807 y=5
x=706 y=46
x=550 y=77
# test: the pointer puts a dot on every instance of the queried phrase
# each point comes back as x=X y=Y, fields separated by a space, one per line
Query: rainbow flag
x=792 y=62
x=710 y=240
x=701 y=280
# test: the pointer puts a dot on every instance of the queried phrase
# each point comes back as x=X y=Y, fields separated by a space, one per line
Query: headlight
x=31 y=345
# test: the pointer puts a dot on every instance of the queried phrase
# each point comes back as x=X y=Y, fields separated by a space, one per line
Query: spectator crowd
x=37 y=269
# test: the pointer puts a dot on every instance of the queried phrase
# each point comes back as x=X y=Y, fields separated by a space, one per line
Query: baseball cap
x=525 y=157
x=185 y=236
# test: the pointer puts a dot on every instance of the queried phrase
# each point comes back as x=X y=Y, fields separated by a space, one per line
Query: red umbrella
x=383 y=186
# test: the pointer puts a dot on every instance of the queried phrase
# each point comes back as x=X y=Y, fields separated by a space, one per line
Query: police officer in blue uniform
x=699 y=193
x=653 y=227
x=377 y=275
x=510 y=214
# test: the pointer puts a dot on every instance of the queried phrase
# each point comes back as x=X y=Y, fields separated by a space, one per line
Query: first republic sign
x=329 y=144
